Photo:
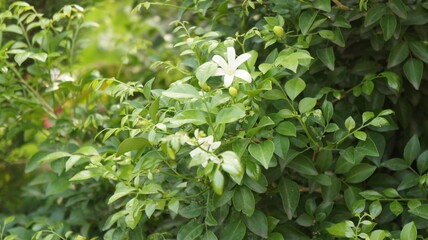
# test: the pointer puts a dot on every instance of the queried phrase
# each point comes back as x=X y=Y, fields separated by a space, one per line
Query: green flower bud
x=233 y=91
x=279 y=31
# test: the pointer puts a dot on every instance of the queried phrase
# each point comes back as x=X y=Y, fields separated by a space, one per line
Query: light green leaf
x=393 y=79
x=378 y=235
x=174 y=205
x=231 y=163
x=231 y=114
x=21 y=57
x=409 y=232
x=294 y=87
x=181 y=91
x=205 y=71
x=307 y=104
x=286 y=128
x=349 y=123
x=290 y=195
x=341 y=230
x=396 y=208
x=54 y=156
x=262 y=152
x=360 y=135
x=121 y=191
x=192 y=116
x=218 y=182
x=375 y=208
x=420 y=211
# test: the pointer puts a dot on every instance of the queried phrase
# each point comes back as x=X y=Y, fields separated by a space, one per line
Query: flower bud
x=233 y=91
x=204 y=86
x=279 y=31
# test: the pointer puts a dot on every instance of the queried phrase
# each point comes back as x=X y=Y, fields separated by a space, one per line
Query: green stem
x=180 y=176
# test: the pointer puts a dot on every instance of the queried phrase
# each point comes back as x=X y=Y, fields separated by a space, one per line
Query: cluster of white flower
x=205 y=148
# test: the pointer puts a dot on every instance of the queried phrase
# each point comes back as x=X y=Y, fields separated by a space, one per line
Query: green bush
x=244 y=120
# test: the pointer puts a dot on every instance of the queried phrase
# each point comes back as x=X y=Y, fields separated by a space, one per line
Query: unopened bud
x=233 y=92
x=279 y=31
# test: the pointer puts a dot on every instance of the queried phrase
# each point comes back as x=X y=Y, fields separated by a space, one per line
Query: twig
x=340 y=5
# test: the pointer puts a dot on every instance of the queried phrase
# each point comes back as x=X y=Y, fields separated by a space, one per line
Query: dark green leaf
x=324 y=5
x=258 y=224
x=131 y=144
x=388 y=23
x=234 y=230
x=398 y=7
x=306 y=19
x=421 y=211
x=412 y=149
x=360 y=173
x=422 y=162
x=396 y=164
x=303 y=165
x=243 y=200
x=374 y=14
x=414 y=70
x=375 y=208
x=262 y=152
x=326 y=55
x=286 y=128
x=190 y=231
x=420 y=49
x=398 y=54
x=290 y=195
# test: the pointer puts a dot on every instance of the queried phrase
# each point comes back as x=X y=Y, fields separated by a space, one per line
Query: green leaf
x=420 y=49
x=420 y=211
x=174 y=205
x=409 y=232
x=192 y=116
x=374 y=14
x=398 y=54
x=396 y=164
x=358 y=206
x=327 y=34
x=85 y=174
x=422 y=162
x=306 y=19
x=349 y=123
x=378 y=235
x=324 y=5
x=218 y=182
x=398 y=7
x=231 y=163
x=131 y=144
x=371 y=195
x=243 y=200
x=303 y=165
x=205 y=71
x=34 y=162
x=286 y=128
x=368 y=148
x=262 y=152
x=326 y=55
x=290 y=195
x=54 y=156
x=396 y=208
x=307 y=104
x=414 y=70
x=39 y=56
x=360 y=135
x=258 y=224
x=391 y=193
x=121 y=191
x=412 y=149
x=231 y=114
x=21 y=57
x=375 y=208
x=190 y=231
x=209 y=235
x=294 y=87
x=234 y=230
x=360 y=173
x=393 y=79
x=181 y=91
x=273 y=94
x=151 y=188
x=388 y=23
x=59 y=185
x=379 y=122
x=341 y=230
x=8 y=220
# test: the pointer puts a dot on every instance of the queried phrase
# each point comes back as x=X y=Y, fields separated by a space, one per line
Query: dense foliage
x=213 y=119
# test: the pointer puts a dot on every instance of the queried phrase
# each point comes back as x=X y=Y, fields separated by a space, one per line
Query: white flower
x=58 y=78
x=230 y=69
x=205 y=148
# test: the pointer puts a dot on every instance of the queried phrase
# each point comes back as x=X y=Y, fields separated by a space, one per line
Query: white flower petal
x=220 y=61
x=228 y=79
x=230 y=55
x=215 y=145
x=244 y=75
x=240 y=60
x=219 y=72
x=196 y=151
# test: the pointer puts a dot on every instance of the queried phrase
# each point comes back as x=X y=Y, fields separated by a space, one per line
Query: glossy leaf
x=262 y=152
x=413 y=69
x=290 y=195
